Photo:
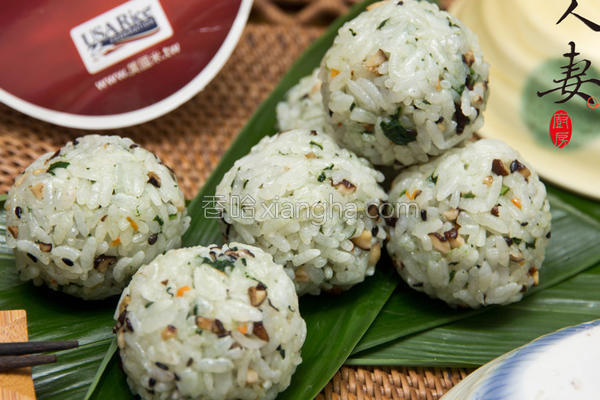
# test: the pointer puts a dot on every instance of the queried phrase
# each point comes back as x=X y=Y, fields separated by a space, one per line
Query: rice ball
x=404 y=81
x=210 y=323
x=302 y=107
x=472 y=225
x=84 y=219
x=311 y=204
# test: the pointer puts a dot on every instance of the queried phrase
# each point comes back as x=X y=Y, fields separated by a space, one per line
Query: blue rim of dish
x=496 y=385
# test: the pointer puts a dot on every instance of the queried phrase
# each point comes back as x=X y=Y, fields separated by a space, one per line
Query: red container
x=112 y=63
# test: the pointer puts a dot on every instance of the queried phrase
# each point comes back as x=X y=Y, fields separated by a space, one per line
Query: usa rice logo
x=561 y=129
x=120 y=33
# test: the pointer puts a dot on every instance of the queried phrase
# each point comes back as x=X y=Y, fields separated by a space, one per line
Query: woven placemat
x=193 y=138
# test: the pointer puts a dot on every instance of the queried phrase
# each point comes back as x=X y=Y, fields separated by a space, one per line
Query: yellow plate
x=524 y=45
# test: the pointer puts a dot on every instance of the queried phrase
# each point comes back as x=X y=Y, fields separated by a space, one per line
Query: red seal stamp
x=561 y=129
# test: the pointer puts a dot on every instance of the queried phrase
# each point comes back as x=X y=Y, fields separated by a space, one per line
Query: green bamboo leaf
x=479 y=339
x=108 y=356
x=335 y=324
x=572 y=248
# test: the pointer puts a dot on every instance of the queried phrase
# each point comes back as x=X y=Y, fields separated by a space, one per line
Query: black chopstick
x=18 y=348
x=12 y=362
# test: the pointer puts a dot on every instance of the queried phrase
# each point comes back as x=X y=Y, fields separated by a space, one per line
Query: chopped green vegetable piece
x=159 y=220
x=432 y=179
x=58 y=164
x=321 y=177
x=319 y=145
x=504 y=190
x=172 y=216
x=382 y=24
x=396 y=132
x=452 y=274
x=469 y=195
x=219 y=264
x=352 y=32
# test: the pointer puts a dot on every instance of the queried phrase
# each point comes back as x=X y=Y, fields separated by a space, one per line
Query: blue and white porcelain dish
x=563 y=365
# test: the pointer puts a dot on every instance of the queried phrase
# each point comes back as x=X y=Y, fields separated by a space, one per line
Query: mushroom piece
x=37 y=190
x=364 y=240
x=344 y=187
x=259 y=330
x=517 y=166
x=153 y=179
x=439 y=243
x=211 y=324
x=257 y=294
x=515 y=258
x=468 y=58
x=102 y=262
x=124 y=303
x=499 y=168
x=535 y=274
x=169 y=332
x=14 y=230
x=300 y=275
x=375 y=60
x=45 y=247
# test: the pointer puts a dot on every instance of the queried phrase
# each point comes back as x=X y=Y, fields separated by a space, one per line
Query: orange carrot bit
x=116 y=242
x=182 y=290
x=334 y=72
x=133 y=224
x=243 y=328
x=517 y=202
x=413 y=195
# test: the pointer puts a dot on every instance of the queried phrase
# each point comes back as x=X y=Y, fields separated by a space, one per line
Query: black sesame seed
x=424 y=215
x=151 y=382
x=549 y=235
x=508 y=241
x=189 y=362
x=33 y=258
x=374 y=230
x=161 y=365
x=177 y=378
x=524 y=223
x=18 y=212
x=67 y=262
x=133 y=146
x=153 y=238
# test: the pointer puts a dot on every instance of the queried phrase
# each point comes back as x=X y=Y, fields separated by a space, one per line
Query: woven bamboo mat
x=193 y=138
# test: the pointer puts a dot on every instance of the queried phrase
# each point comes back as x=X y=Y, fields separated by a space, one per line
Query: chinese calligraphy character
x=572 y=80
x=561 y=121
x=586 y=21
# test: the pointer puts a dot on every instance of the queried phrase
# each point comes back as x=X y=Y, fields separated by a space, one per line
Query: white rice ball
x=311 y=204
x=303 y=106
x=84 y=219
x=210 y=323
x=472 y=226
x=404 y=81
